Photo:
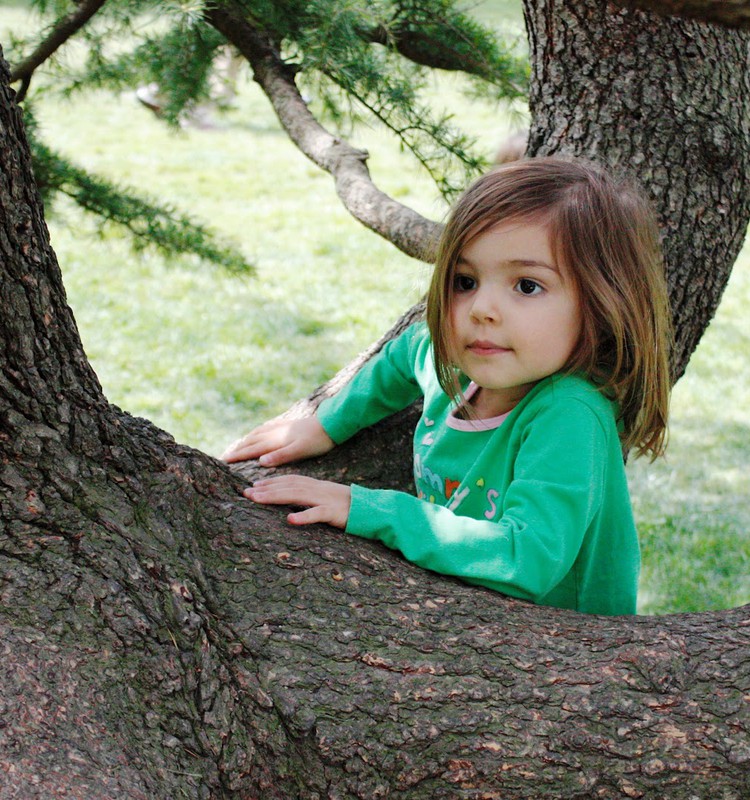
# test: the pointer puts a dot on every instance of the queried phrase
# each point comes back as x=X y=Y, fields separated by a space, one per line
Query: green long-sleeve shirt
x=534 y=504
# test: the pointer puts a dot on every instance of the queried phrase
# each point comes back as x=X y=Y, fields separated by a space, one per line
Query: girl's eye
x=464 y=283
x=528 y=287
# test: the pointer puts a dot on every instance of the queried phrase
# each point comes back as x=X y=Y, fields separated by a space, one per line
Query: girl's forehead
x=514 y=236
x=491 y=222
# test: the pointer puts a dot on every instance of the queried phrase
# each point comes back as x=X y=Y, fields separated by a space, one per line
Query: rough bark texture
x=733 y=13
x=666 y=100
x=162 y=639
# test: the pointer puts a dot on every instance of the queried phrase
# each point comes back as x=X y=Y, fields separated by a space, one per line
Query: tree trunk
x=667 y=100
x=161 y=638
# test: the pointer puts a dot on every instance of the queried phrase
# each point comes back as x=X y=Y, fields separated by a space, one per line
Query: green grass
x=692 y=507
x=207 y=355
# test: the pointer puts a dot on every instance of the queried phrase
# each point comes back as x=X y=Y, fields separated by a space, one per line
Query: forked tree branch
x=64 y=30
x=405 y=228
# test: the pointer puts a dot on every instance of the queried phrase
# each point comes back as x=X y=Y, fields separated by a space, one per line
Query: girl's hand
x=280 y=441
x=328 y=502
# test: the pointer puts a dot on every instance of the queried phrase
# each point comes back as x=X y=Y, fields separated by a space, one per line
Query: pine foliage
x=150 y=224
x=356 y=59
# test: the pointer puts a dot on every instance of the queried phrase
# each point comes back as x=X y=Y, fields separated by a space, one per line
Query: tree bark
x=161 y=638
x=665 y=100
x=732 y=13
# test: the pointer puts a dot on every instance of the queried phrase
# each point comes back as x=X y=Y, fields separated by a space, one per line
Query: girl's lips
x=486 y=348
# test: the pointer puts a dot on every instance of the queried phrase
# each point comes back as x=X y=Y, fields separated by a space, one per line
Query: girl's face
x=515 y=314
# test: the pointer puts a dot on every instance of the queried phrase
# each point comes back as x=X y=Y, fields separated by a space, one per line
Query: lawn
x=207 y=355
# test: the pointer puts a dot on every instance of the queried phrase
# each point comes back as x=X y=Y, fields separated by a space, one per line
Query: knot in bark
x=183 y=612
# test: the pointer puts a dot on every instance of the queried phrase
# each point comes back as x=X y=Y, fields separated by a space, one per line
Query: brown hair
x=604 y=233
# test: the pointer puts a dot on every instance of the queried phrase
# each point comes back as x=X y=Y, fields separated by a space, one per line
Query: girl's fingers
x=335 y=514
x=309 y=516
x=241 y=450
x=254 y=445
x=282 y=455
x=327 y=501
x=258 y=441
x=287 y=489
x=280 y=441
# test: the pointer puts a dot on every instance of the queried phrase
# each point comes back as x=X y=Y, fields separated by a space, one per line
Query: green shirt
x=534 y=504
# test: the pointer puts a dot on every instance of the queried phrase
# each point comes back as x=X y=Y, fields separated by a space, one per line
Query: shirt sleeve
x=556 y=489
x=387 y=383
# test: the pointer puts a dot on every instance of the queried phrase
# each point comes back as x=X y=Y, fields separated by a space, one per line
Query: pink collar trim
x=474 y=425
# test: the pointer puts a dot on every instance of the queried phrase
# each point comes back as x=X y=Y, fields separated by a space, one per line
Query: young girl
x=543 y=357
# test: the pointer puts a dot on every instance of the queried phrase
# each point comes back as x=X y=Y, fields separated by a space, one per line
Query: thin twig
x=66 y=27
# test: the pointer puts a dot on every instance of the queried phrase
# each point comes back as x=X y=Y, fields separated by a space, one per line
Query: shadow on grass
x=693 y=515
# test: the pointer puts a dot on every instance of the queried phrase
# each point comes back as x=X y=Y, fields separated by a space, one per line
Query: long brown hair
x=605 y=234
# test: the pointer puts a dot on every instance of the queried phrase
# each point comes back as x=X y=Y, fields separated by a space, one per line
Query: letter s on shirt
x=492 y=510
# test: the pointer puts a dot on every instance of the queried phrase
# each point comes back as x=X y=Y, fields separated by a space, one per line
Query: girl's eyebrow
x=530 y=262
x=515 y=262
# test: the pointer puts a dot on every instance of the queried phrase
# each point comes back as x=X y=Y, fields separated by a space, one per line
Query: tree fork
x=65 y=28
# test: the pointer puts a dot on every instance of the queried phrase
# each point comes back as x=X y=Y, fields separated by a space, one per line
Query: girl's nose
x=485 y=308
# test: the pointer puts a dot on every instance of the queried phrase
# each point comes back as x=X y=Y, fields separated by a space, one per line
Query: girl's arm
x=387 y=383
x=532 y=539
x=536 y=530
x=504 y=555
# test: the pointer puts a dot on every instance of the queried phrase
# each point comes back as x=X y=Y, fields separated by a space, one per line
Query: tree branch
x=406 y=229
x=732 y=13
x=66 y=27
x=419 y=46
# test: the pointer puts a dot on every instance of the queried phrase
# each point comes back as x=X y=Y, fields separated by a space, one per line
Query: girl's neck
x=488 y=403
